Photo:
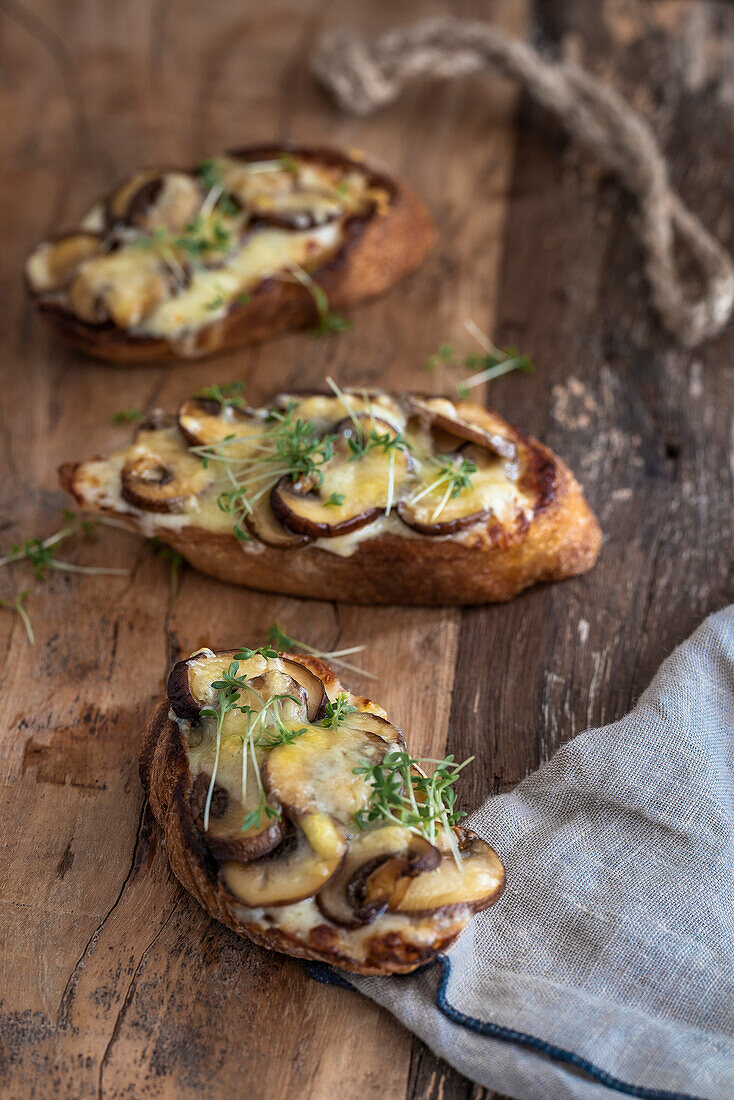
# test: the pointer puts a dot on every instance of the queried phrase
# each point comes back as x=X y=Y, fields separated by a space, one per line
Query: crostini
x=259 y=240
x=294 y=814
x=366 y=497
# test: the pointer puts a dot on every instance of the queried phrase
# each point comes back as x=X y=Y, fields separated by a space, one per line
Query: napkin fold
x=607 y=966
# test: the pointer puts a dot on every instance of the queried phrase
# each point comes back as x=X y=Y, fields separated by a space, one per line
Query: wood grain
x=112 y=981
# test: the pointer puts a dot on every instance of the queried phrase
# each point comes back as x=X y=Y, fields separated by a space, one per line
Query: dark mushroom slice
x=366 y=721
x=190 y=684
x=53 y=265
x=316 y=697
x=262 y=524
x=447 y=417
x=160 y=476
x=474 y=884
x=298 y=209
x=377 y=861
x=123 y=286
x=315 y=772
x=157 y=200
x=223 y=832
x=204 y=420
x=491 y=490
x=355 y=487
x=296 y=870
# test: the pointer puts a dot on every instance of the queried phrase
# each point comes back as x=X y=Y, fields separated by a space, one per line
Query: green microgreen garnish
x=334 y=501
x=230 y=687
x=126 y=415
x=456 y=478
x=40 y=554
x=243 y=299
x=336 y=712
x=328 y=321
x=284 y=643
x=491 y=364
x=401 y=795
x=361 y=442
x=288 y=445
x=288 y=163
x=175 y=561
x=17 y=607
x=227 y=394
x=215 y=303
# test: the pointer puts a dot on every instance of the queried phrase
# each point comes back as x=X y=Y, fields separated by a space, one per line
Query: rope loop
x=363 y=76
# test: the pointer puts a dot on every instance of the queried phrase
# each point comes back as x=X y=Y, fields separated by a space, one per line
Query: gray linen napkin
x=607 y=966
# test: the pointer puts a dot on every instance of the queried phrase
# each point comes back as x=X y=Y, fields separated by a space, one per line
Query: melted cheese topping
x=177 y=271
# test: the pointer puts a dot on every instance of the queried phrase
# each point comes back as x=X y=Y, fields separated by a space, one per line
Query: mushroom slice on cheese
x=261 y=523
x=474 y=883
x=222 y=828
x=376 y=863
x=315 y=772
x=435 y=507
x=446 y=416
x=296 y=870
x=367 y=721
x=364 y=476
x=190 y=684
x=204 y=420
x=54 y=264
x=123 y=286
x=299 y=209
x=159 y=475
x=157 y=200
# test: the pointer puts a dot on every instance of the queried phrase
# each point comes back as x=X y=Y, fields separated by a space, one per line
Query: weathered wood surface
x=112 y=981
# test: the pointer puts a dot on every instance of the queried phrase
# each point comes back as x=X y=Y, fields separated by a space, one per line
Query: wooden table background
x=112 y=981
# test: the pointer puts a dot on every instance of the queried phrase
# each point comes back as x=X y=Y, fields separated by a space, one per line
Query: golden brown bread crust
x=378 y=251
x=562 y=540
x=164 y=773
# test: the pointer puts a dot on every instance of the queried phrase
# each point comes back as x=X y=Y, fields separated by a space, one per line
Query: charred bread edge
x=164 y=774
x=377 y=252
x=562 y=540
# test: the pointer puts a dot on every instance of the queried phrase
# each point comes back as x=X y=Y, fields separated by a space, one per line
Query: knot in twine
x=362 y=76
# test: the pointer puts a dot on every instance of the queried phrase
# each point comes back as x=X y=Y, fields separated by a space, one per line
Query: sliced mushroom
x=377 y=861
x=444 y=415
x=54 y=264
x=297 y=869
x=123 y=286
x=298 y=209
x=157 y=200
x=316 y=772
x=204 y=420
x=366 y=721
x=159 y=475
x=190 y=683
x=491 y=491
x=475 y=884
x=316 y=697
x=354 y=488
x=227 y=811
x=262 y=523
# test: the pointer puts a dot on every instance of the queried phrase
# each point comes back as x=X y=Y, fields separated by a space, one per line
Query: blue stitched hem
x=327 y=975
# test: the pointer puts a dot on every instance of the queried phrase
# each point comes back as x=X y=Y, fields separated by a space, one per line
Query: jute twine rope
x=363 y=76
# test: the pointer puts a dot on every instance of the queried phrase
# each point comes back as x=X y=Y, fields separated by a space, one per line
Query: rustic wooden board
x=112 y=981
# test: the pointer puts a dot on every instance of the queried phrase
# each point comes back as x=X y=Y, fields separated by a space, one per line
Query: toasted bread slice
x=260 y=240
x=271 y=818
x=363 y=497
